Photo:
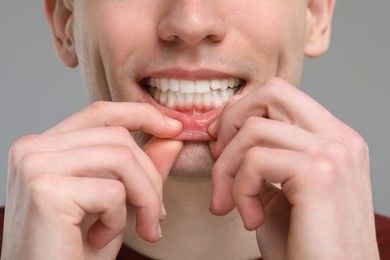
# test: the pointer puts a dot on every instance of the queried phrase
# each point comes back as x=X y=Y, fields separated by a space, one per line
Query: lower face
x=124 y=57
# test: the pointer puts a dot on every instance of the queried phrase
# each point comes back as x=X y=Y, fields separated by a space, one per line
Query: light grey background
x=352 y=80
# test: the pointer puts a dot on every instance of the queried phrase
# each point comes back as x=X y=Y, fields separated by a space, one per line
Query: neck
x=190 y=231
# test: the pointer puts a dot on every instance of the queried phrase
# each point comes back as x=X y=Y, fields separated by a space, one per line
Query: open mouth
x=195 y=103
x=192 y=96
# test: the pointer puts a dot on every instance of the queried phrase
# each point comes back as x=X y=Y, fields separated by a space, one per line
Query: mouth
x=195 y=103
x=188 y=96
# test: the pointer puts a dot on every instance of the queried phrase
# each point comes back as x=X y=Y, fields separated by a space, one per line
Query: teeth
x=216 y=98
x=215 y=84
x=224 y=84
x=188 y=86
x=237 y=81
x=175 y=85
x=207 y=99
x=180 y=99
x=171 y=99
x=164 y=84
x=188 y=101
x=225 y=96
x=163 y=97
x=202 y=86
x=198 y=100
x=187 y=95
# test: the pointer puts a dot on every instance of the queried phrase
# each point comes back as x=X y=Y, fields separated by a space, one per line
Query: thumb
x=163 y=153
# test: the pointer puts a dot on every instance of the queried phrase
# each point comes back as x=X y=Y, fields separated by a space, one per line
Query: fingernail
x=159 y=232
x=172 y=122
x=163 y=212
x=212 y=129
x=212 y=145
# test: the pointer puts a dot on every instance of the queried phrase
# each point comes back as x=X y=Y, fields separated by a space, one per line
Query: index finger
x=132 y=116
x=276 y=100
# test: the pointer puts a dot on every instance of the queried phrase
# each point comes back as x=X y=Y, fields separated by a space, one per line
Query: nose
x=191 y=22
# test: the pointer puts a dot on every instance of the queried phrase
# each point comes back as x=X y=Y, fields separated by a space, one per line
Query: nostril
x=191 y=23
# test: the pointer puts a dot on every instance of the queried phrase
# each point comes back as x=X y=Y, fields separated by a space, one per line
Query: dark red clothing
x=382 y=231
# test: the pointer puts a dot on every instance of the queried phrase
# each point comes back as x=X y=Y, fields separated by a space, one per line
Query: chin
x=194 y=160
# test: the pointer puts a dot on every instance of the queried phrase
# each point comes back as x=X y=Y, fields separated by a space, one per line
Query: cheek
x=273 y=30
x=121 y=35
x=277 y=27
x=279 y=33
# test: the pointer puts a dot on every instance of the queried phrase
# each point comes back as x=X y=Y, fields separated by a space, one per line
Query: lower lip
x=194 y=126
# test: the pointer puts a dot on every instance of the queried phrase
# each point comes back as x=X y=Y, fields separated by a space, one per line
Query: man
x=208 y=91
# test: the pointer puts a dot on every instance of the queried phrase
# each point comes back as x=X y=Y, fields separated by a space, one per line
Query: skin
x=268 y=133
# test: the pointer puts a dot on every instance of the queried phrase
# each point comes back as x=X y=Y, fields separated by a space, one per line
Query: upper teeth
x=188 y=95
x=190 y=86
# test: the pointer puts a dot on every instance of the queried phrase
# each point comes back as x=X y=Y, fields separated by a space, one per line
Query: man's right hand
x=73 y=190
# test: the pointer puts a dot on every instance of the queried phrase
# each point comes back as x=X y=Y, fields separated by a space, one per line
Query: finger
x=251 y=192
x=113 y=135
x=90 y=137
x=132 y=116
x=163 y=154
x=275 y=226
x=259 y=164
x=276 y=100
x=118 y=163
x=299 y=175
x=72 y=199
x=110 y=206
x=157 y=159
x=264 y=132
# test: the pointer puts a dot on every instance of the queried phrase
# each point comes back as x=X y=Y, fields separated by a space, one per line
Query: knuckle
x=120 y=132
x=252 y=155
x=123 y=134
x=340 y=152
x=29 y=166
x=21 y=147
x=98 y=108
x=98 y=105
x=277 y=85
x=42 y=187
x=325 y=170
x=116 y=192
x=272 y=89
x=252 y=122
x=271 y=86
x=358 y=144
x=251 y=127
x=123 y=155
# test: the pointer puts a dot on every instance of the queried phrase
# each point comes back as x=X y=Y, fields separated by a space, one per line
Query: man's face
x=187 y=58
